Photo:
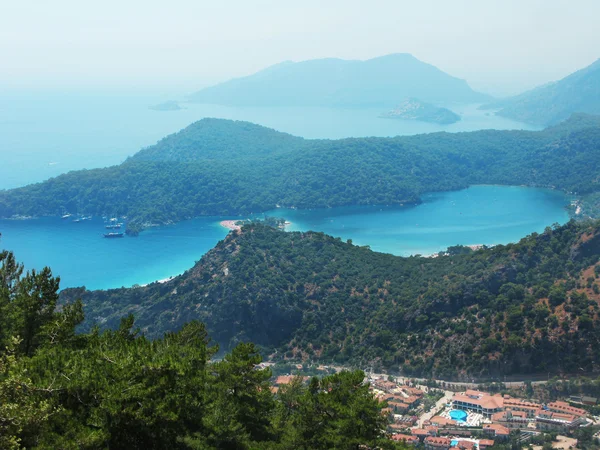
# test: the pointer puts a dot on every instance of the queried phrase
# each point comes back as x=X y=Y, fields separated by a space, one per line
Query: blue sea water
x=477 y=215
x=46 y=133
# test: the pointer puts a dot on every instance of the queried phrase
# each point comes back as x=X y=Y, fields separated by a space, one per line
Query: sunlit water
x=478 y=215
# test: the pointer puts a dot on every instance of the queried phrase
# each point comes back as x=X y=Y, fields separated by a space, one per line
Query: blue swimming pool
x=459 y=415
x=453 y=443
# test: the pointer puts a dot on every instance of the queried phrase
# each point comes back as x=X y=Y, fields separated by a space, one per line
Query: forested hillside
x=553 y=102
x=529 y=307
x=220 y=167
x=119 y=390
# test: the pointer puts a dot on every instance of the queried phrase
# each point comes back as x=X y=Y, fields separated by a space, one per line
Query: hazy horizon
x=498 y=47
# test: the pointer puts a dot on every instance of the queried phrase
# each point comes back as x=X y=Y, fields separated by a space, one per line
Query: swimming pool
x=458 y=415
x=453 y=443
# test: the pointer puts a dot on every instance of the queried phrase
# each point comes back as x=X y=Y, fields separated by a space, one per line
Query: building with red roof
x=496 y=430
x=412 y=440
x=437 y=443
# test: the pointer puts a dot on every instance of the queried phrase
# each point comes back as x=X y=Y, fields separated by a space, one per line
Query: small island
x=167 y=106
x=414 y=109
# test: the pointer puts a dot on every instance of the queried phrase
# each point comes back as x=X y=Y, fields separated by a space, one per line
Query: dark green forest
x=117 y=389
x=523 y=308
x=220 y=167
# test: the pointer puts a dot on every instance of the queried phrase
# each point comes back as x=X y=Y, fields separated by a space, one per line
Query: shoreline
x=230 y=224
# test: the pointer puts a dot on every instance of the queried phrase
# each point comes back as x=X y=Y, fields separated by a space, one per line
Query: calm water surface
x=478 y=215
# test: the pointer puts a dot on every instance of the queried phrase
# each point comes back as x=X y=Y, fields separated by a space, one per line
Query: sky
x=501 y=47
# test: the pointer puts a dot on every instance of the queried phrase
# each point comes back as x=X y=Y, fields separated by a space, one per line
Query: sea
x=484 y=215
x=48 y=133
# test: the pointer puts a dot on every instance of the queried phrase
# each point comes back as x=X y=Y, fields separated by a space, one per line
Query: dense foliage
x=118 y=390
x=219 y=167
x=520 y=308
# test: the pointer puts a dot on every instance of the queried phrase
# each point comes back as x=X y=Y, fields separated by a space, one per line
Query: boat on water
x=113 y=226
x=66 y=216
x=114 y=235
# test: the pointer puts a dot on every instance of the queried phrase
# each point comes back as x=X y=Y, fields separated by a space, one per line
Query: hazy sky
x=500 y=46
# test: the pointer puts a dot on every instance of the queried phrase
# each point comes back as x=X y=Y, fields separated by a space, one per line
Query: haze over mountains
x=554 y=102
x=332 y=82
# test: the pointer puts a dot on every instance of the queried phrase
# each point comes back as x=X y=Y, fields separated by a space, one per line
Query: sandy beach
x=230 y=224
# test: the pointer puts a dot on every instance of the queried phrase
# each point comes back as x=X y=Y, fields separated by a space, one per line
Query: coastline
x=230 y=224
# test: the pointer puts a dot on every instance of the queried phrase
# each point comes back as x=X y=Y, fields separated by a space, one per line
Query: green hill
x=377 y=82
x=530 y=307
x=221 y=167
x=554 y=102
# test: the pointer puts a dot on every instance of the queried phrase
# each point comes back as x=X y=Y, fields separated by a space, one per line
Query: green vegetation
x=119 y=390
x=522 y=308
x=554 y=102
x=220 y=167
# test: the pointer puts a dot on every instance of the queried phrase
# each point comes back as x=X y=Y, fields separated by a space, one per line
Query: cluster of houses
x=501 y=414
x=400 y=398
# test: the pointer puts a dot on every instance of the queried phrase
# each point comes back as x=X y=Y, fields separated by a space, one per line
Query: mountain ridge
x=307 y=296
x=380 y=82
x=553 y=102
x=220 y=167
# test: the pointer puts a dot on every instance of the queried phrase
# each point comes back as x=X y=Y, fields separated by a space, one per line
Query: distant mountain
x=530 y=307
x=414 y=109
x=377 y=82
x=554 y=102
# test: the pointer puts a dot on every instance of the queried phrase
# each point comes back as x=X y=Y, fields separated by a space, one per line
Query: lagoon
x=477 y=215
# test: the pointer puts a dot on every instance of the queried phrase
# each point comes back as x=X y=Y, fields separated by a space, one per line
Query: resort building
x=407 y=438
x=512 y=419
x=553 y=421
x=517 y=405
x=385 y=385
x=412 y=391
x=485 y=443
x=465 y=445
x=442 y=422
x=419 y=433
x=480 y=402
x=564 y=407
x=437 y=443
x=496 y=430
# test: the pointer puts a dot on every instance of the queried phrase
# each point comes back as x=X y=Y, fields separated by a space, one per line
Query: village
x=440 y=418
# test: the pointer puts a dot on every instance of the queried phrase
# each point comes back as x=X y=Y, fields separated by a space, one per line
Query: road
x=441 y=402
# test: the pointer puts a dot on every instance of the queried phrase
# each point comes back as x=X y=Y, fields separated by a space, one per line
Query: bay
x=477 y=215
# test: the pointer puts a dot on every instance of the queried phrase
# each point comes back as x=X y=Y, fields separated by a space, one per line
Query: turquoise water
x=478 y=215
x=79 y=254
x=458 y=415
x=47 y=133
x=454 y=442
